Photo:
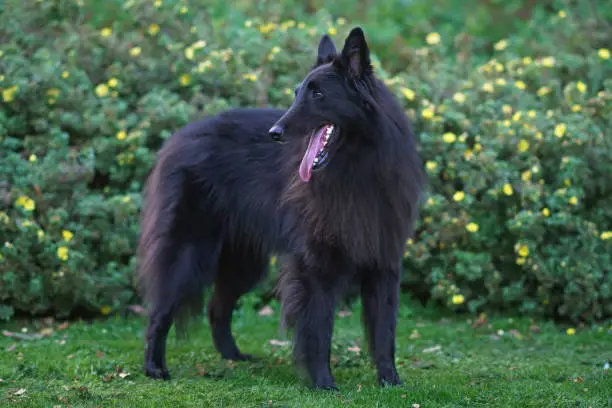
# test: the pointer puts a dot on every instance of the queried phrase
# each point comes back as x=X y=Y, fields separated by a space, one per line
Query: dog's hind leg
x=189 y=268
x=239 y=272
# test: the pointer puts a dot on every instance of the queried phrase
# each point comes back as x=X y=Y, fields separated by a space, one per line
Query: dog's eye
x=316 y=94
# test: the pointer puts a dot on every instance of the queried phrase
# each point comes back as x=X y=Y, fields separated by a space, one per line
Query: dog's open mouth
x=317 y=152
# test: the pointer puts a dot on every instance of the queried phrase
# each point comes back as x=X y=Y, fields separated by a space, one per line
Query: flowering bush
x=516 y=148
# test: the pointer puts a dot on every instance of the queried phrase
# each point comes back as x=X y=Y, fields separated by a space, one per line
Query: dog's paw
x=157 y=373
x=389 y=379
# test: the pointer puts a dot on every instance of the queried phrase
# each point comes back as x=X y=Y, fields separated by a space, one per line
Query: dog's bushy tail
x=170 y=273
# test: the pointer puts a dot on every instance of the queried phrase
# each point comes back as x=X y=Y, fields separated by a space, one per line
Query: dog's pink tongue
x=314 y=147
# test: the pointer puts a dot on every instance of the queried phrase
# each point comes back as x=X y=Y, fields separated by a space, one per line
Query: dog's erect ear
x=327 y=50
x=356 y=55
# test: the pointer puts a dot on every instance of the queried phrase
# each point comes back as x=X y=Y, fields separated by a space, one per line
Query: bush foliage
x=513 y=126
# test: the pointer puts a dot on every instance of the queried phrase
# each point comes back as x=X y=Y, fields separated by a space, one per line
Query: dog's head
x=332 y=103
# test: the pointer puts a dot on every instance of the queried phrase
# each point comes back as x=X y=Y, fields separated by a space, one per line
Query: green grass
x=85 y=365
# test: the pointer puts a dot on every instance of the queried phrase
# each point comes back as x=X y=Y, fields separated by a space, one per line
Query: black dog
x=339 y=196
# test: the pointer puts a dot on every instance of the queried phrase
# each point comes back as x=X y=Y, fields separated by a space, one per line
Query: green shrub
x=90 y=90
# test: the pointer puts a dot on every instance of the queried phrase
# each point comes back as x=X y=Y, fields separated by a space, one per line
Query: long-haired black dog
x=334 y=182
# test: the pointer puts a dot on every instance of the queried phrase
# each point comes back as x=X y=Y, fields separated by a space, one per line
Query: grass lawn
x=444 y=362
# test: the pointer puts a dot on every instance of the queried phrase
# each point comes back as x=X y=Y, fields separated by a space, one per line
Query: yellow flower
x=8 y=94
x=458 y=299
x=65 y=74
x=523 y=146
x=251 y=77
x=183 y=10
x=433 y=38
x=520 y=85
x=105 y=310
x=531 y=114
x=517 y=116
x=67 y=235
x=523 y=250
x=121 y=135
x=606 y=235
x=32 y=158
x=472 y=227
x=573 y=200
x=526 y=60
x=185 y=79
x=526 y=175
x=548 y=61
x=560 y=129
x=571 y=331
x=113 y=82
x=267 y=28
x=189 y=53
x=545 y=212
x=201 y=44
x=157 y=3
x=543 y=91
x=449 y=137
x=508 y=189
x=562 y=13
x=40 y=234
x=459 y=97
x=153 y=29
x=273 y=260
x=539 y=135
x=332 y=31
x=135 y=51
x=581 y=86
x=102 y=90
x=487 y=87
x=604 y=53
x=62 y=253
x=500 y=81
x=3 y=217
x=520 y=261
x=501 y=45
x=106 y=32
x=431 y=165
x=507 y=109
x=203 y=66
x=408 y=93
x=427 y=113
x=576 y=108
x=459 y=196
x=26 y=203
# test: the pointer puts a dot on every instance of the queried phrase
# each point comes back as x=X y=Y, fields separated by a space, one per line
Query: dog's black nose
x=276 y=133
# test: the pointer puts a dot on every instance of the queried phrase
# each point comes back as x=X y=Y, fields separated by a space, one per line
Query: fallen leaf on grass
x=517 y=335
x=22 y=336
x=281 y=343
x=123 y=375
x=20 y=391
x=46 y=332
x=69 y=357
x=358 y=387
x=416 y=406
x=344 y=313
x=355 y=349
x=138 y=309
x=421 y=364
x=99 y=354
x=415 y=334
x=63 y=326
x=481 y=321
x=266 y=311
x=433 y=349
